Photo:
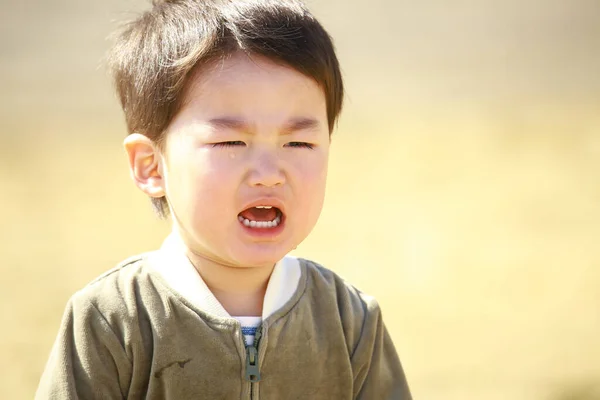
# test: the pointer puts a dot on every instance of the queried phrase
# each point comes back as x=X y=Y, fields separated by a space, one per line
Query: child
x=229 y=107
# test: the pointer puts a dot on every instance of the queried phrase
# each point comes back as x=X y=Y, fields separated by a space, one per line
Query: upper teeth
x=267 y=207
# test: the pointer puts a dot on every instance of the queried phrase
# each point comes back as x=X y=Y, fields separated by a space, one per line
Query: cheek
x=201 y=183
x=313 y=178
x=316 y=170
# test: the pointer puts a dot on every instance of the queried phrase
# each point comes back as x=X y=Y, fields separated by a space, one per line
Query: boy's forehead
x=239 y=79
x=243 y=70
x=247 y=94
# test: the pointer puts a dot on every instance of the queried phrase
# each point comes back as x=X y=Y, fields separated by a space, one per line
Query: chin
x=259 y=261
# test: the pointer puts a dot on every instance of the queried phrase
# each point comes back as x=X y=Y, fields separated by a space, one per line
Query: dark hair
x=154 y=56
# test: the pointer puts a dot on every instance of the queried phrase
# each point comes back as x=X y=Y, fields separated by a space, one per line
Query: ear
x=145 y=164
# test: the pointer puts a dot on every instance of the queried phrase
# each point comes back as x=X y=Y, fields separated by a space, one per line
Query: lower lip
x=264 y=232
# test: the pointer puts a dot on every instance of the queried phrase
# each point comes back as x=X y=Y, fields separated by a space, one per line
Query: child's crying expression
x=245 y=161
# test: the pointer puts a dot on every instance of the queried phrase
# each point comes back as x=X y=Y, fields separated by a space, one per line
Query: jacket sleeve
x=87 y=360
x=378 y=373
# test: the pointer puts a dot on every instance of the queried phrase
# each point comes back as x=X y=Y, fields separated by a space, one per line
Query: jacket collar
x=177 y=271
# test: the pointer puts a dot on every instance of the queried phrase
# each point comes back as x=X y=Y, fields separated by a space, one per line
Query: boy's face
x=250 y=134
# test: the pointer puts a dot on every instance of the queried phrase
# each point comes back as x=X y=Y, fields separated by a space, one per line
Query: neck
x=240 y=290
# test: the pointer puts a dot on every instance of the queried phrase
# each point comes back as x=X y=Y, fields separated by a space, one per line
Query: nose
x=266 y=171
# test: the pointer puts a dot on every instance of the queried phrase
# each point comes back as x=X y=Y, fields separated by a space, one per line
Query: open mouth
x=261 y=217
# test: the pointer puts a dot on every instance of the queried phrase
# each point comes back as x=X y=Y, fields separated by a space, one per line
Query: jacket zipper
x=252 y=369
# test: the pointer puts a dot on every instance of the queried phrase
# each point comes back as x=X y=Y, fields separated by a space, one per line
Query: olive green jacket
x=129 y=335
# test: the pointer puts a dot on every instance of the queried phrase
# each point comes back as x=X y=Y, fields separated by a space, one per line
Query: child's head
x=229 y=105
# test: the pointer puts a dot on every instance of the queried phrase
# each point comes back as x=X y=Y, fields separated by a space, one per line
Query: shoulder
x=329 y=282
x=117 y=293
x=116 y=279
x=354 y=308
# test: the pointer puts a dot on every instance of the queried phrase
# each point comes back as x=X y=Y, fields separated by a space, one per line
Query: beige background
x=464 y=189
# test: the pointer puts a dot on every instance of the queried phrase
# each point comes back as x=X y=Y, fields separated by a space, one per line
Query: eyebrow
x=228 y=123
x=294 y=125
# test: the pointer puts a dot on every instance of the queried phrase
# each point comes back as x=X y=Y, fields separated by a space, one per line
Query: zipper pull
x=252 y=371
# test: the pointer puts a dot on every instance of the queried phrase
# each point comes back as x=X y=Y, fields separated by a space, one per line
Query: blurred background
x=463 y=193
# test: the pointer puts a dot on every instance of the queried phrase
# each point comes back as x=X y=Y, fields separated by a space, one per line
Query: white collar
x=179 y=273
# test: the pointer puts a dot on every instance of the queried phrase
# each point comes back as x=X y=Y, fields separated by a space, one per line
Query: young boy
x=229 y=107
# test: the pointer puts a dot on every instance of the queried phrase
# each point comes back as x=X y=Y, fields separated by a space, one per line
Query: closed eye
x=301 y=144
x=229 y=144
